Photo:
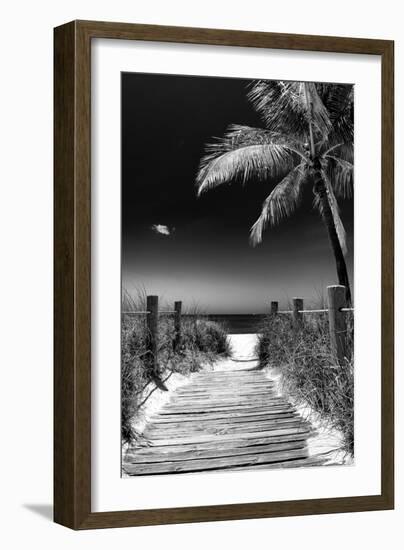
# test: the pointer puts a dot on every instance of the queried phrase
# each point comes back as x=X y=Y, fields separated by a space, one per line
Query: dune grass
x=202 y=342
x=309 y=372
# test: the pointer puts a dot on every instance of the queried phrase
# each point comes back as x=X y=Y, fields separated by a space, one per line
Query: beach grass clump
x=206 y=336
x=202 y=342
x=309 y=372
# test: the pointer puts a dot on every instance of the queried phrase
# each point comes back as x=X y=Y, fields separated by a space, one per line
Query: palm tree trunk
x=321 y=192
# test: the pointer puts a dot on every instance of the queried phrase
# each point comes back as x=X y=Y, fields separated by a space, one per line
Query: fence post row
x=297 y=312
x=152 y=306
x=177 y=325
x=337 y=321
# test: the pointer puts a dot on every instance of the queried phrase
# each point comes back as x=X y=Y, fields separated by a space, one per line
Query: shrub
x=308 y=371
x=202 y=342
x=205 y=336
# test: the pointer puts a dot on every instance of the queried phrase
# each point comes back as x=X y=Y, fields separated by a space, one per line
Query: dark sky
x=207 y=260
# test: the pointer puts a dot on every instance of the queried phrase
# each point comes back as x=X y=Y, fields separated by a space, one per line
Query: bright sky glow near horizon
x=197 y=250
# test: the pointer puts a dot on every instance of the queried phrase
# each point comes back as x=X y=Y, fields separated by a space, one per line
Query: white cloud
x=162 y=229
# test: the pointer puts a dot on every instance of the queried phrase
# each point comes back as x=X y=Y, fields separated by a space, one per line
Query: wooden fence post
x=274 y=308
x=337 y=321
x=177 y=325
x=152 y=306
x=297 y=316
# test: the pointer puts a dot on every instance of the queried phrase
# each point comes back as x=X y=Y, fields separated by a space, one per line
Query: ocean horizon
x=236 y=323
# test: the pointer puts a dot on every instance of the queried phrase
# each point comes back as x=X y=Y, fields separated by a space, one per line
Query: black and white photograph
x=237 y=310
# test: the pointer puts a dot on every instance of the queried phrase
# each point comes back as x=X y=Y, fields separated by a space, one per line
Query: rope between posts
x=312 y=310
x=244 y=360
x=342 y=309
x=169 y=312
x=135 y=312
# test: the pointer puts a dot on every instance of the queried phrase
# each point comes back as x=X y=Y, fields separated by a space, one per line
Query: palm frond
x=244 y=153
x=338 y=100
x=333 y=144
x=284 y=107
x=340 y=175
x=281 y=106
x=346 y=152
x=339 y=226
x=318 y=111
x=238 y=134
x=281 y=202
x=332 y=148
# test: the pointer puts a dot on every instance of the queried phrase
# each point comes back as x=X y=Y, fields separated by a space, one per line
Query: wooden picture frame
x=72 y=287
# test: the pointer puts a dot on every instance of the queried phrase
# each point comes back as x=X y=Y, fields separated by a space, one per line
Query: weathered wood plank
x=219 y=444
x=232 y=391
x=215 y=389
x=220 y=418
x=234 y=396
x=189 y=407
x=214 y=463
x=202 y=438
x=216 y=385
x=262 y=400
x=231 y=380
x=250 y=401
x=212 y=426
x=297 y=463
x=143 y=456
x=219 y=432
x=197 y=409
x=166 y=429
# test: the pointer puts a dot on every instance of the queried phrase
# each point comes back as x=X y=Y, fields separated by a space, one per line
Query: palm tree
x=307 y=139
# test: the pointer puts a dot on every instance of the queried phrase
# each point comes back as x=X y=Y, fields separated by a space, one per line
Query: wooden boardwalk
x=222 y=420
